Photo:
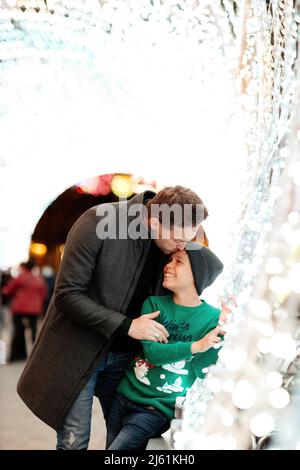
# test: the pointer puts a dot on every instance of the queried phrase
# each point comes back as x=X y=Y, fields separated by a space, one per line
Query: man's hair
x=181 y=197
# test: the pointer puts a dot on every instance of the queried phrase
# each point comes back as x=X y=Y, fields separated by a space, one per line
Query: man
x=93 y=322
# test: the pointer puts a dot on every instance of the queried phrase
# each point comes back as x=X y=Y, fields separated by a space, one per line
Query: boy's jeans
x=74 y=434
x=131 y=425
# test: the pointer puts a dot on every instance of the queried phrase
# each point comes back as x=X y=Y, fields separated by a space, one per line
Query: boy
x=145 y=402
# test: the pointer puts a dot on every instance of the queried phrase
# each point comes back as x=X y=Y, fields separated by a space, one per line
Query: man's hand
x=146 y=328
x=209 y=341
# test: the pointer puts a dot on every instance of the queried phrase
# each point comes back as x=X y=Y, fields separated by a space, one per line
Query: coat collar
x=141 y=198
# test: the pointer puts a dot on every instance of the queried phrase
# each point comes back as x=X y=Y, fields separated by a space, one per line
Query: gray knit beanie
x=206 y=266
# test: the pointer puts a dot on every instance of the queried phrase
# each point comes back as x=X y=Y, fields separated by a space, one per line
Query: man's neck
x=187 y=298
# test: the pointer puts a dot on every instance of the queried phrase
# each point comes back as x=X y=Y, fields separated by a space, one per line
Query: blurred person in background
x=2 y=320
x=5 y=276
x=5 y=320
x=1 y=308
x=27 y=293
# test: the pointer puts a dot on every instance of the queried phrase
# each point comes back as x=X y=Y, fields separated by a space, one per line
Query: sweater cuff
x=185 y=349
x=124 y=327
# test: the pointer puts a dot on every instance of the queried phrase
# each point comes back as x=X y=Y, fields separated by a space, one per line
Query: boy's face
x=178 y=274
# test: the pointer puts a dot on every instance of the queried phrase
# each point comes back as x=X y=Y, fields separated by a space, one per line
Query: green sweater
x=165 y=371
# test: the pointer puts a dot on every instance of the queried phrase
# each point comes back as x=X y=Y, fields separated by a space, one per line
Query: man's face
x=178 y=274
x=173 y=239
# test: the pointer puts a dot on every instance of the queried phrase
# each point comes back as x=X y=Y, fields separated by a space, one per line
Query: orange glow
x=122 y=186
x=38 y=249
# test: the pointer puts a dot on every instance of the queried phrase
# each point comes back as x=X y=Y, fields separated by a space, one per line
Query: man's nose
x=181 y=246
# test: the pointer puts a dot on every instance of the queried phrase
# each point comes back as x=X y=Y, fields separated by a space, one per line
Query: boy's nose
x=169 y=265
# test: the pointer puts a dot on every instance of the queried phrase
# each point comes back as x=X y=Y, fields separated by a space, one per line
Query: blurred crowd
x=25 y=296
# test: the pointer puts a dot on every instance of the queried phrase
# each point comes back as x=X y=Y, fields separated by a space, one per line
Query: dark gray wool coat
x=94 y=286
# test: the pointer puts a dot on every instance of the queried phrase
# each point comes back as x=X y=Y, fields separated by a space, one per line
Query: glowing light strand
x=253 y=346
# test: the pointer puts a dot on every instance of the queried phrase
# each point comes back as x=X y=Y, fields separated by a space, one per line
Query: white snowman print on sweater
x=176 y=368
x=170 y=388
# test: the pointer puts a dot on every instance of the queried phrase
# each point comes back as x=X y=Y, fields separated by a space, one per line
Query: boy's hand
x=145 y=328
x=209 y=341
x=226 y=310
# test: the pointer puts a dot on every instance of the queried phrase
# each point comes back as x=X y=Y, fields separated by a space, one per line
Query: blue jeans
x=74 y=433
x=131 y=425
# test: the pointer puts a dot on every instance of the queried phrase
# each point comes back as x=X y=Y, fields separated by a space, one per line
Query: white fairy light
x=279 y=284
x=244 y=395
x=274 y=380
x=214 y=385
x=262 y=424
x=284 y=152
x=283 y=346
x=279 y=398
x=233 y=359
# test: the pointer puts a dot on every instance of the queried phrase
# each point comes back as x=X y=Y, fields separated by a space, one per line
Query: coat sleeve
x=161 y=353
x=76 y=270
x=11 y=287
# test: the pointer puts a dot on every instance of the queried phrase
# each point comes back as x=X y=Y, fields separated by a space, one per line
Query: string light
x=256 y=41
x=253 y=389
x=262 y=424
x=112 y=87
